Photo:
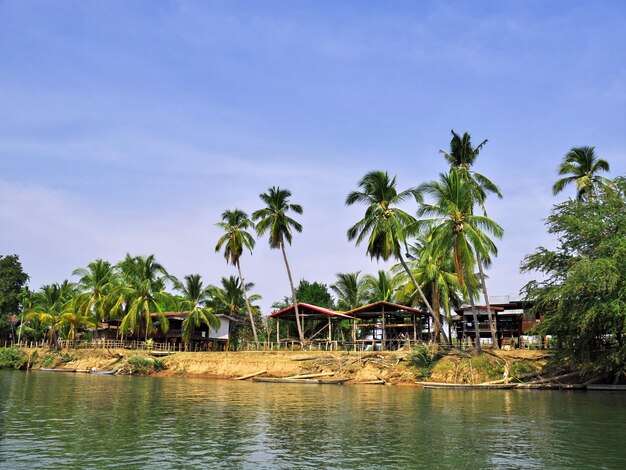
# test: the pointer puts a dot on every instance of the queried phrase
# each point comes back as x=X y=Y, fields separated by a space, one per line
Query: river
x=52 y=420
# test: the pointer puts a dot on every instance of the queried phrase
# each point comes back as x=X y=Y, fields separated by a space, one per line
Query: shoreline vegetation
x=442 y=240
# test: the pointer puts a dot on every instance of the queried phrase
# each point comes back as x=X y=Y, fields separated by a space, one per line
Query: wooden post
x=330 y=330
x=278 y=331
x=382 y=345
x=414 y=327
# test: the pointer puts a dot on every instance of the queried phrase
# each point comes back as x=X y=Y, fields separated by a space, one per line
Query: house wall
x=222 y=331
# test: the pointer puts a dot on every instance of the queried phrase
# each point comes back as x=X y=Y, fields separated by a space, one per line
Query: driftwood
x=510 y=379
x=373 y=382
x=569 y=375
x=244 y=377
x=310 y=376
x=308 y=358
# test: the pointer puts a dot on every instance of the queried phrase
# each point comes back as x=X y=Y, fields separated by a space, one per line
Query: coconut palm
x=581 y=165
x=51 y=307
x=350 y=291
x=141 y=294
x=382 y=287
x=456 y=230
x=274 y=220
x=97 y=282
x=235 y=240
x=384 y=225
x=194 y=301
x=462 y=156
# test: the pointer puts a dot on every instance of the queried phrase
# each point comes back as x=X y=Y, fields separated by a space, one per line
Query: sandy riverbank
x=391 y=367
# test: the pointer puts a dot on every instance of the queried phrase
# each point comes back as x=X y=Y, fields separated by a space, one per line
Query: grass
x=145 y=365
x=12 y=358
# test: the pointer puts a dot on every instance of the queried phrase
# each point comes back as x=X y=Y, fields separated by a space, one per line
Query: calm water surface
x=52 y=420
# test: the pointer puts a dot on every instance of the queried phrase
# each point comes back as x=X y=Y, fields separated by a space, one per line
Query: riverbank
x=401 y=368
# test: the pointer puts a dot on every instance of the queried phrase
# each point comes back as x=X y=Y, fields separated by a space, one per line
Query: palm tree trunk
x=470 y=293
x=492 y=324
x=436 y=307
x=245 y=296
x=293 y=295
x=423 y=297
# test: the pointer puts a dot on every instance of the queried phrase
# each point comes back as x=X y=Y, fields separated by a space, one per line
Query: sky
x=130 y=126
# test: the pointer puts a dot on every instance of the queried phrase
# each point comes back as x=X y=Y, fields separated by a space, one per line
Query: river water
x=53 y=420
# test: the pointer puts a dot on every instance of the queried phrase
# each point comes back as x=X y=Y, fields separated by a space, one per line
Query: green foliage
x=314 y=293
x=12 y=358
x=583 y=294
x=12 y=280
x=422 y=359
x=145 y=365
x=48 y=360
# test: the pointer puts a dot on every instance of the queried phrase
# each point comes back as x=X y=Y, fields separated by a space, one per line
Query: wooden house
x=385 y=325
x=508 y=323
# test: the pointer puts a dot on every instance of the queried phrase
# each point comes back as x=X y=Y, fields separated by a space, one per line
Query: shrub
x=12 y=358
x=423 y=360
x=145 y=365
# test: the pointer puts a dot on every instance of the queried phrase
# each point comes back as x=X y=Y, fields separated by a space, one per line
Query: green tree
x=385 y=226
x=582 y=293
x=234 y=223
x=457 y=230
x=314 y=293
x=97 y=282
x=382 y=287
x=462 y=157
x=53 y=308
x=350 y=291
x=195 y=300
x=12 y=280
x=581 y=165
x=274 y=219
x=229 y=300
x=141 y=294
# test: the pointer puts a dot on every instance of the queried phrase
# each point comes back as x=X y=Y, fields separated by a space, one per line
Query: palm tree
x=350 y=291
x=582 y=167
x=50 y=307
x=462 y=156
x=97 y=281
x=234 y=223
x=229 y=299
x=141 y=293
x=381 y=287
x=273 y=219
x=384 y=225
x=435 y=271
x=195 y=302
x=455 y=229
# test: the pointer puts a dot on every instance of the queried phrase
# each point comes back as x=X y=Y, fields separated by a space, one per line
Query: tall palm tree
x=382 y=287
x=195 y=299
x=581 y=165
x=384 y=225
x=273 y=219
x=462 y=156
x=97 y=282
x=455 y=229
x=141 y=293
x=350 y=291
x=234 y=223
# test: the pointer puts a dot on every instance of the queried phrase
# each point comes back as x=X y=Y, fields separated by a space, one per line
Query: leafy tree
x=581 y=165
x=141 y=294
x=382 y=287
x=350 y=291
x=314 y=293
x=273 y=219
x=462 y=157
x=583 y=291
x=194 y=301
x=12 y=280
x=97 y=282
x=234 y=223
x=456 y=230
x=385 y=226
x=229 y=300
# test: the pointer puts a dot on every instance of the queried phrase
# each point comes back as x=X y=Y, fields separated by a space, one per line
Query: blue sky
x=130 y=126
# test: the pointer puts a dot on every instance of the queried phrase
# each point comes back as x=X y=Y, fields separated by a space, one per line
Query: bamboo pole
x=244 y=377
x=310 y=376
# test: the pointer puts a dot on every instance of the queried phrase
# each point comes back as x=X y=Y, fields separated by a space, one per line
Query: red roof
x=315 y=308
x=376 y=307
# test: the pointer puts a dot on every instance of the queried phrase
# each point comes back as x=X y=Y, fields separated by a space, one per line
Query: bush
x=145 y=365
x=423 y=360
x=12 y=358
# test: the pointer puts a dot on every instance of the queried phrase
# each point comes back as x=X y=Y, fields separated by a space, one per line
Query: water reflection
x=99 y=421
